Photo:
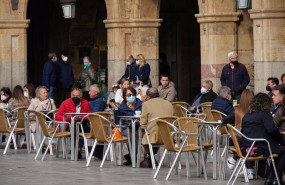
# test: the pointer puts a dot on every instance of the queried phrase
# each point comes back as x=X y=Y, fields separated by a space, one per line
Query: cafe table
x=215 y=126
x=132 y=120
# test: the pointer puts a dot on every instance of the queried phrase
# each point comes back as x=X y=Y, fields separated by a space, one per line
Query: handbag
x=80 y=84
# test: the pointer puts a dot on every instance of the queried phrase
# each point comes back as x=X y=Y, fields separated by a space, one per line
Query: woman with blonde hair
x=144 y=71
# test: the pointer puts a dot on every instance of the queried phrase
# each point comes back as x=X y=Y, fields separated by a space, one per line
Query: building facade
x=136 y=26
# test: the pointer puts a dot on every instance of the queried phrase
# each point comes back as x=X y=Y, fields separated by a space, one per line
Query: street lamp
x=243 y=4
x=68 y=8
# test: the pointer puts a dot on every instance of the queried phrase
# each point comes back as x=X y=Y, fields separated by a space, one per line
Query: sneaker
x=231 y=163
x=22 y=140
x=250 y=174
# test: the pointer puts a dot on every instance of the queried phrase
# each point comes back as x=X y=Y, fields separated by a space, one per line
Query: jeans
x=50 y=92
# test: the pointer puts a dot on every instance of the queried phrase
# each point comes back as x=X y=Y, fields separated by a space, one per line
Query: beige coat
x=168 y=93
x=153 y=108
x=38 y=105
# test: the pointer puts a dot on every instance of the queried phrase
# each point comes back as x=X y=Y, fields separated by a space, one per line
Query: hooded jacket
x=168 y=93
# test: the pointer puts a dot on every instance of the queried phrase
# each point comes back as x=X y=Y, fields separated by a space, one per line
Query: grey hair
x=76 y=89
x=38 y=90
x=143 y=90
x=95 y=87
x=209 y=83
x=224 y=90
x=87 y=58
x=231 y=53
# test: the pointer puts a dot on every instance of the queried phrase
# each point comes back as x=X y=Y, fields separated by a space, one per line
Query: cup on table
x=138 y=113
x=235 y=102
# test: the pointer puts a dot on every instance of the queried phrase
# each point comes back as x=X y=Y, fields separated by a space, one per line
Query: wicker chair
x=170 y=119
x=167 y=130
x=100 y=124
x=50 y=135
x=180 y=109
x=242 y=159
x=5 y=128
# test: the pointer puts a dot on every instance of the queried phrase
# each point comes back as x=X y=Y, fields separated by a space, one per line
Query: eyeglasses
x=234 y=58
x=129 y=95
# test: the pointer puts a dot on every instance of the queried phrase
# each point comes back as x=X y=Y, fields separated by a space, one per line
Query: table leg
x=76 y=142
x=37 y=135
x=72 y=139
x=133 y=143
x=215 y=152
x=27 y=132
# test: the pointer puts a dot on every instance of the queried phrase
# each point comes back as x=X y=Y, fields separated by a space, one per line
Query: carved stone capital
x=267 y=13
x=218 y=17
x=131 y=23
x=12 y=24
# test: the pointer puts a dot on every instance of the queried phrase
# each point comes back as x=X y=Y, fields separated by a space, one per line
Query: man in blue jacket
x=222 y=103
x=235 y=76
x=96 y=101
x=49 y=74
x=132 y=70
x=64 y=78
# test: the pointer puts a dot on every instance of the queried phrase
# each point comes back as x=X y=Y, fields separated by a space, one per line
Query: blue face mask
x=138 y=62
x=131 y=99
x=86 y=65
x=128 y=63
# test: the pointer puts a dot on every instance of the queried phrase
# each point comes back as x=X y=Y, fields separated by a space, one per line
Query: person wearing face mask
x=64 y=78
x=144 y=71
x=271 y=82
x=235 y=76
x=29 y=91
x=128 y=107
x=74 y=104
x=222 y=103
x=132 y=70
x=206 y=95
x=89 y=76
x=49 y=74
x=5 y=94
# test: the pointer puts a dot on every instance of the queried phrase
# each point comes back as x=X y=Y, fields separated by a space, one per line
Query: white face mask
x=65 y=59
x=203 y=90
x=26 y=94
x=3 y=98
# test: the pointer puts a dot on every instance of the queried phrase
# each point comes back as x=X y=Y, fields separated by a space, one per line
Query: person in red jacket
x=75 y=104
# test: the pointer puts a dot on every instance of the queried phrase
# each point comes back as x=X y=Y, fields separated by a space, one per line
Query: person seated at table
x=112 y=94
x=119 y=94
x=74 y=104
x=29 y=91
x=142 y=93
x=128 y=107
x=153 y=107
x=5 y=94
x=222 y=103
x=236 y=117
x=279 y=118
x=205 y=95
x=39 y=103
x=96 y=101
x=167 y=89
x=18 y=99
x=258 y=123
x=277 y=99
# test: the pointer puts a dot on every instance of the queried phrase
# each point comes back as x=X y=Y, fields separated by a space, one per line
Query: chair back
x=187 y=125
x=178 y=110
x=206 y=108
x=42 y=123
x=202 y=116
x=21 y=117
x=235 y=141
x=106 y=115
x=3 y=121
x=165 y=130
x=98 y=125
x=217 y=116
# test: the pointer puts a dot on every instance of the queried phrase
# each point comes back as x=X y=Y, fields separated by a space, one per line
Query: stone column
x=132 y=36
x=13 y=43
x=269 y=40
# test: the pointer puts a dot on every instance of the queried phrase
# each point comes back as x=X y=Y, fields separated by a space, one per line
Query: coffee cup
x=138 y=113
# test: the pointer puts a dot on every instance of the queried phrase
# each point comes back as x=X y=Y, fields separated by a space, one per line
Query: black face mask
x=76 y=100
x=268 y=88
x=235 y=62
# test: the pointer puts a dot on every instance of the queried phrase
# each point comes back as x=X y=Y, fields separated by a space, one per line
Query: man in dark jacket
x=206 y=95
x=96 y=101
x=132 y=70
x=235 y=76
x=49 y=74
x=64 y=78
x=222 y=103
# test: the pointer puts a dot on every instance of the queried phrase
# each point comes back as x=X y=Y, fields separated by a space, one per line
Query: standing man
x=64 y=78
x=235 y=76
x=132 y=70
x=49 y=74
x=167 y=89
x=153 y=107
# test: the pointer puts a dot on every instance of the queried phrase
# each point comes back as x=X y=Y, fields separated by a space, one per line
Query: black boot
x=275 y=182
x=270 y=177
